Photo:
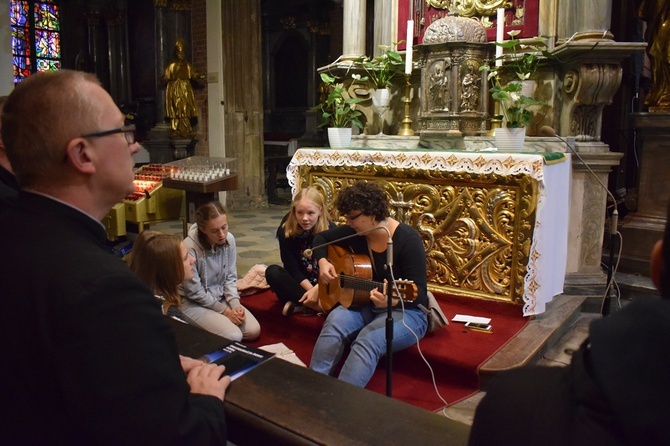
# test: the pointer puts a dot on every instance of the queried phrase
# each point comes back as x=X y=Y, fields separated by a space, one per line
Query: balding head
x=42 y=114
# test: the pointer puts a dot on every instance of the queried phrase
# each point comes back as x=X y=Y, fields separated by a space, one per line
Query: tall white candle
x=408 y=47
x=500 y=31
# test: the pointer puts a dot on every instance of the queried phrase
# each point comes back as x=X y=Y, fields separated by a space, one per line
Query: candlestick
x=406 y=129
x=500 y=30
x=408 y=47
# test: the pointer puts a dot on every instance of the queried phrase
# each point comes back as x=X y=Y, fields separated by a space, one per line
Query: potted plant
x=380 y=70
x=507 y=88
x=339 y=113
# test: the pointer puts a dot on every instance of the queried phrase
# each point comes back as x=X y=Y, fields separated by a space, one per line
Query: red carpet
x=455 y=353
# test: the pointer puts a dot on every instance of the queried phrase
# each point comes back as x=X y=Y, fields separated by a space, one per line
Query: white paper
x=283 y=352
x=467 y=318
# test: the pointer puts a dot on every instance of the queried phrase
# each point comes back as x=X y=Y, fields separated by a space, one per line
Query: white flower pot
x=339 y=138
x=510 y=139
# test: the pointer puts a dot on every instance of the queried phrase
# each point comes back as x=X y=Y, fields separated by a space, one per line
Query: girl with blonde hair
x=296 y=283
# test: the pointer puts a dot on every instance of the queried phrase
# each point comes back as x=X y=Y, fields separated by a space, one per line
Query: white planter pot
x=510 y=139
x=339 y=138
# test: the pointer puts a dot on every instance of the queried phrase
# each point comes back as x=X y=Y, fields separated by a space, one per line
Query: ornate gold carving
x=470 y=8
x=477 y=228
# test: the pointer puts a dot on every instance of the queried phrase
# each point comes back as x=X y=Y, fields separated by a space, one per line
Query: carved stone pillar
x=587 y=77
x=587 y=216
x=353 y=29
x=585 y=81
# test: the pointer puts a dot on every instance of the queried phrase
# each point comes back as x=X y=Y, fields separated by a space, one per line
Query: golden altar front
x=494 y=225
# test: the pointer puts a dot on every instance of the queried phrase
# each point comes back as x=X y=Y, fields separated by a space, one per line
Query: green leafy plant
x=381 y=69
x=506 y=81
x=338 y=110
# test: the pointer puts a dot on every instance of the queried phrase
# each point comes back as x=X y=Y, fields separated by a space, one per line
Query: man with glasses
x=87 y=356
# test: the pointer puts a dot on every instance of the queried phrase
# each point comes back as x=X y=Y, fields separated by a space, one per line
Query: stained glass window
x=35 y=37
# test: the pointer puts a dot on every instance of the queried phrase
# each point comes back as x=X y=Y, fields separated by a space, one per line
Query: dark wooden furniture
x=280 y=403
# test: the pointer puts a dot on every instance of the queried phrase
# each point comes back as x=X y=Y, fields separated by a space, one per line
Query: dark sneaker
x=289 y=308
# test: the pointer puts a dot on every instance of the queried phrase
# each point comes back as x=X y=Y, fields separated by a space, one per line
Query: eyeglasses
x=349 y=218
x=127 y=130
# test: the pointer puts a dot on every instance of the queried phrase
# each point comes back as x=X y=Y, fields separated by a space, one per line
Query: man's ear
x=656 y=263
x=79 y=154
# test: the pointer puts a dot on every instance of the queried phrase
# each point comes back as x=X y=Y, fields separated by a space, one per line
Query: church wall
x=199 y=51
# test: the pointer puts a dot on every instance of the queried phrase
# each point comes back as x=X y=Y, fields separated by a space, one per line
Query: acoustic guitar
x=354 y=282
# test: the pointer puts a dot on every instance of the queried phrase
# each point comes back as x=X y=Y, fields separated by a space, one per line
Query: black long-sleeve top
x=409 y=256
x=291 y=249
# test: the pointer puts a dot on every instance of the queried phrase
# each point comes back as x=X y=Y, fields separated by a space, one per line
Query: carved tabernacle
x=454 y=93
x=476 y=227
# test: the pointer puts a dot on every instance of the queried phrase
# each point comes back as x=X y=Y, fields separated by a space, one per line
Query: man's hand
x=205 y=379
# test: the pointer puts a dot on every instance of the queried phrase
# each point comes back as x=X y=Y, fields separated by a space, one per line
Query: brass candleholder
x=406 y=129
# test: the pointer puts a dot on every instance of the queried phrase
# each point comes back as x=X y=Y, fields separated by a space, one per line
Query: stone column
x=383 y=29
x=118 y=57
x=353 y=29
x=579 y=19
x=587 y=217
x=94 y=46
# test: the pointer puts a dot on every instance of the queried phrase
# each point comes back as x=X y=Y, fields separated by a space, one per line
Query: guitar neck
x=356 y=283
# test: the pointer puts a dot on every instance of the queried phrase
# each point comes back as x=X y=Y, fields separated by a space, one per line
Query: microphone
x=545 y=130
x=307 y=253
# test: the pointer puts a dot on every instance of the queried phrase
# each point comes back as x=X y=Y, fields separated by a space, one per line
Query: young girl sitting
x=296 y=284
x=162 y=262
x=211 y=300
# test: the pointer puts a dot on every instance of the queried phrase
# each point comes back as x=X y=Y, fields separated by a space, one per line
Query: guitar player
x=363 y=327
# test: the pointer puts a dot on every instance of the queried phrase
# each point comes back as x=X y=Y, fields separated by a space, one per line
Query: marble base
x=388 y=142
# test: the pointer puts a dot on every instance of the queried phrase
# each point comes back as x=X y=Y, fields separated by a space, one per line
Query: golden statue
x=657 y=15
x=180 y=104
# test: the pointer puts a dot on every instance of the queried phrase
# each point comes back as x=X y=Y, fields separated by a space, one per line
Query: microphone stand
x=389 y=316
x=614 y=219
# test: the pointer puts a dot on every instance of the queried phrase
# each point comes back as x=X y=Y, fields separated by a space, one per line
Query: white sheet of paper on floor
x=466 y=318
x=283 y=352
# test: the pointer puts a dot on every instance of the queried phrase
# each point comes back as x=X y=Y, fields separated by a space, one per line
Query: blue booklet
x=237 y=358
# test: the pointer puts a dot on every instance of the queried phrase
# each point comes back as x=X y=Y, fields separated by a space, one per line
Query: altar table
x=494 y=224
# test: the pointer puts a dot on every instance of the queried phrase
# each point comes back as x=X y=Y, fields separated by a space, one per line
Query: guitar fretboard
x=357 y=283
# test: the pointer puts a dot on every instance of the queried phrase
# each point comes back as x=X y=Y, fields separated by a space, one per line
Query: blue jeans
x=365 y=332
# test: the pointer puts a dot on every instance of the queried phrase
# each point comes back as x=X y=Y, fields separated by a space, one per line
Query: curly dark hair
x=368 y=198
